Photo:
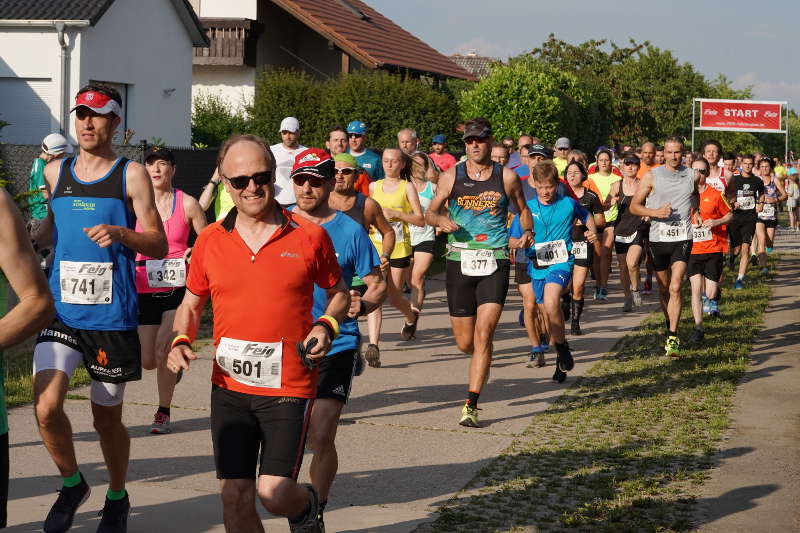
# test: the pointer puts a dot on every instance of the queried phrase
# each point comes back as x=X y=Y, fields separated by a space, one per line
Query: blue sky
x=752 y=43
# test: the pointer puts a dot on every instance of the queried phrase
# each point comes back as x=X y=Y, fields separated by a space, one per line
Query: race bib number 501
x=86 y=283
x=257 y=364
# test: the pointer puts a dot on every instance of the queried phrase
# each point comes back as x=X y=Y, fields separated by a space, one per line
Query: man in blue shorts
x=313 y=177
x=551 y=257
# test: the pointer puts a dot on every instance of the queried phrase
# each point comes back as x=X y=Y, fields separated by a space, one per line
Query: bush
x=385 y=102
x=214 y=119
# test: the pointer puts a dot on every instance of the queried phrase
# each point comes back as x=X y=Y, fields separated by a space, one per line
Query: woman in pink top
x=161 y=283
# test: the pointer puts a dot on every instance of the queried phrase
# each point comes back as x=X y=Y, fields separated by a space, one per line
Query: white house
x=50 y=48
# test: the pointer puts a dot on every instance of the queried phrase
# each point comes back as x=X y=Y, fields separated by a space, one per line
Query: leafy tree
x=214 y=119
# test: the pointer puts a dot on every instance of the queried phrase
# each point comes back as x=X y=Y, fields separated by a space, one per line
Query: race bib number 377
x=257 y=364
x=478 y=262
x=86 y=283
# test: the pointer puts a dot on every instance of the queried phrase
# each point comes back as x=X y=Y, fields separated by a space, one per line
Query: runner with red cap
x=262 y=261
x=96 y=198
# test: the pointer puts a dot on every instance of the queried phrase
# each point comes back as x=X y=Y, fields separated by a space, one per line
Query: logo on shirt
x=367 y=165
x=82 y=205
x=102 y=357
x=288 y=254
x=485 y=200
x=68 y=189
x=481 y=237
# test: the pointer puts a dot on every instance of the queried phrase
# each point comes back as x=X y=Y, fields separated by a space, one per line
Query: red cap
x=314 y=162
x=97 y=102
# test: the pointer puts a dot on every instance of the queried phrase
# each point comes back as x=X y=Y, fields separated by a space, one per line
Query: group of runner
x=308 y=240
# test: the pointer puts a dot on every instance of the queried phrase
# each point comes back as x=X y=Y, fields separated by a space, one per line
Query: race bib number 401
x=86 y=283
x=551 y=252
x=166 y=273
x=257 y=364
x=478 y=262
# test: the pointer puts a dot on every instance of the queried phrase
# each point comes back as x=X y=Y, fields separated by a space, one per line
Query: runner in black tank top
x=629 y=234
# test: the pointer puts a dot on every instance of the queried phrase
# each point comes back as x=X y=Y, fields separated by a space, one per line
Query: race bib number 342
x=166 y=273
x=257 y=364
x=86 y=283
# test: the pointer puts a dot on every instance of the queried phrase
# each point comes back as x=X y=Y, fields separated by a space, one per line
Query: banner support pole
x=694 y=101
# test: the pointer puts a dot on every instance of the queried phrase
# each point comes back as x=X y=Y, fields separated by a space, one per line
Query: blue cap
x=439 y=139
x=357 y=127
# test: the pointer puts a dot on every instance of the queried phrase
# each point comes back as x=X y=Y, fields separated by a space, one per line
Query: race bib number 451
x=257 y=364
x=86 y=283
x=166 y=273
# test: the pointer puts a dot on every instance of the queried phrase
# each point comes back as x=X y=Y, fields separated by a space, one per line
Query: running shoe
x=697 y=335
x=160 y=425
x=359 y=364
x=769 y=250
x=312 y=522
x=647 y=287
x=603 y=293
x=713 y=308
x=564 y=359
x=754 y=260
x=115 y=516
x=373 y=355
x=627 y=307
x=469 y=416
x=739 y=285
x=672 y=346
x=409 y=331
x=537 y=357
x=765 y=271
x=559 y=375
x=597 y=293
x=575 y=328
x=61 y=514
x=637 y=298
x=706 y=305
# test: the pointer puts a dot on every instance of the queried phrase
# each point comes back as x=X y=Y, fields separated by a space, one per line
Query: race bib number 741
x=86 y=283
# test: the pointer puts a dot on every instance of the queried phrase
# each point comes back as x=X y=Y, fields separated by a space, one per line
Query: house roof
x=371 y=38
x=91 y=10
x=478 y=66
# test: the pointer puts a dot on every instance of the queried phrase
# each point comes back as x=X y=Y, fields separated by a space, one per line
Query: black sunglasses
x=346 y=171
x=357 y=135
x=315 y=181
x=259 y=178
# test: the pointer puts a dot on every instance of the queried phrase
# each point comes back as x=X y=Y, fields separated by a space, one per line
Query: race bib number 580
x=86 y=283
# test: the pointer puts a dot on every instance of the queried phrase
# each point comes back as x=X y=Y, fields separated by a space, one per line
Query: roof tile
x=90 y=10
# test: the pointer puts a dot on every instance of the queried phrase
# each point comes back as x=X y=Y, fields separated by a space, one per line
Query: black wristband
x=182 y=343
x=328 y=328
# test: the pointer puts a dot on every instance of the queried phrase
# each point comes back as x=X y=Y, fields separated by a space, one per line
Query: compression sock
x=74 y=480
x=578 y=308
x=302 y=516
x=163 y=410
x=115 y=495
x=472 y=399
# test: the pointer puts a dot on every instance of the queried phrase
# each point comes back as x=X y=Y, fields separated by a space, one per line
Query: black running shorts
x=336 y=375
x=622 y=247
x=768 y=223
x=425 y=247
x=586 y=263
x=664 y=254
x=252 y=432
x=109 y=356
x=521 y=275
x=152 y=305
x=400 y=262
x=741 y=232
x=708 y=265
x=466 y=293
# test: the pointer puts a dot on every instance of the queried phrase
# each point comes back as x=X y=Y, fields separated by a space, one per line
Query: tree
x=214 y=119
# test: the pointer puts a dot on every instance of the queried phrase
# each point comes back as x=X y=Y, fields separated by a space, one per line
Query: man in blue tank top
x=478 y=192
x=95 y=199
x=357 y=257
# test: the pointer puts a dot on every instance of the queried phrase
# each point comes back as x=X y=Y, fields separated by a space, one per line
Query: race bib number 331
x=257 y=364
x=86 y=283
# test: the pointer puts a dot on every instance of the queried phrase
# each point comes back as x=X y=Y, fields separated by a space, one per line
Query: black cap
x=539 y=149
x=159 y=152
x=632 y=159
x=477 y=130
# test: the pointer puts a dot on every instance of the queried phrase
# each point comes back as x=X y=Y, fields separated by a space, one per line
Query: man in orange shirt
x=648 y=159
x=709 y=238
x=266 y=345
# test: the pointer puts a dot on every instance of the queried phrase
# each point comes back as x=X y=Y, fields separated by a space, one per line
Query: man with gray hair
x=408 y=141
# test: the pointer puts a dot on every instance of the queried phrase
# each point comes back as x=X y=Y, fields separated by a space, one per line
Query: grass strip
x=627 y=447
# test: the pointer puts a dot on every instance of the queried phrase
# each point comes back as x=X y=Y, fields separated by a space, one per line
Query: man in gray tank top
x=668 y=195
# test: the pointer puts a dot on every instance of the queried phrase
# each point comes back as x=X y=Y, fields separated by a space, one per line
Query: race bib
x=166 y=273
x=478 y=262
x=551 y=252
x=257 y=364
x=399 y=234
x=672 y=232
x=580 y=250
x=86 y=283
x=767 y=211
x=746 y=202
x=701 y=234
x=626 y=239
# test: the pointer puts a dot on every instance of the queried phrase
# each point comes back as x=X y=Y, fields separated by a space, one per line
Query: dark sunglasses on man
x=259 y=178
x=356 y=135
x=315 y=181
x=346 y=171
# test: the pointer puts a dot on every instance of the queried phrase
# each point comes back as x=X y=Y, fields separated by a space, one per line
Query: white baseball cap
x=56 y=144
x=289 y=124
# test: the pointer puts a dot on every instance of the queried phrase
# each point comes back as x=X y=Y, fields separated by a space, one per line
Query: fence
x=194 y=167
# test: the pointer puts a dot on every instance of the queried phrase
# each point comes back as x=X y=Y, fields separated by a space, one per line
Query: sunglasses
x=356 y=135
x=315 y=181
x=346 y=171
x=259 y=178
x=479 y=140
